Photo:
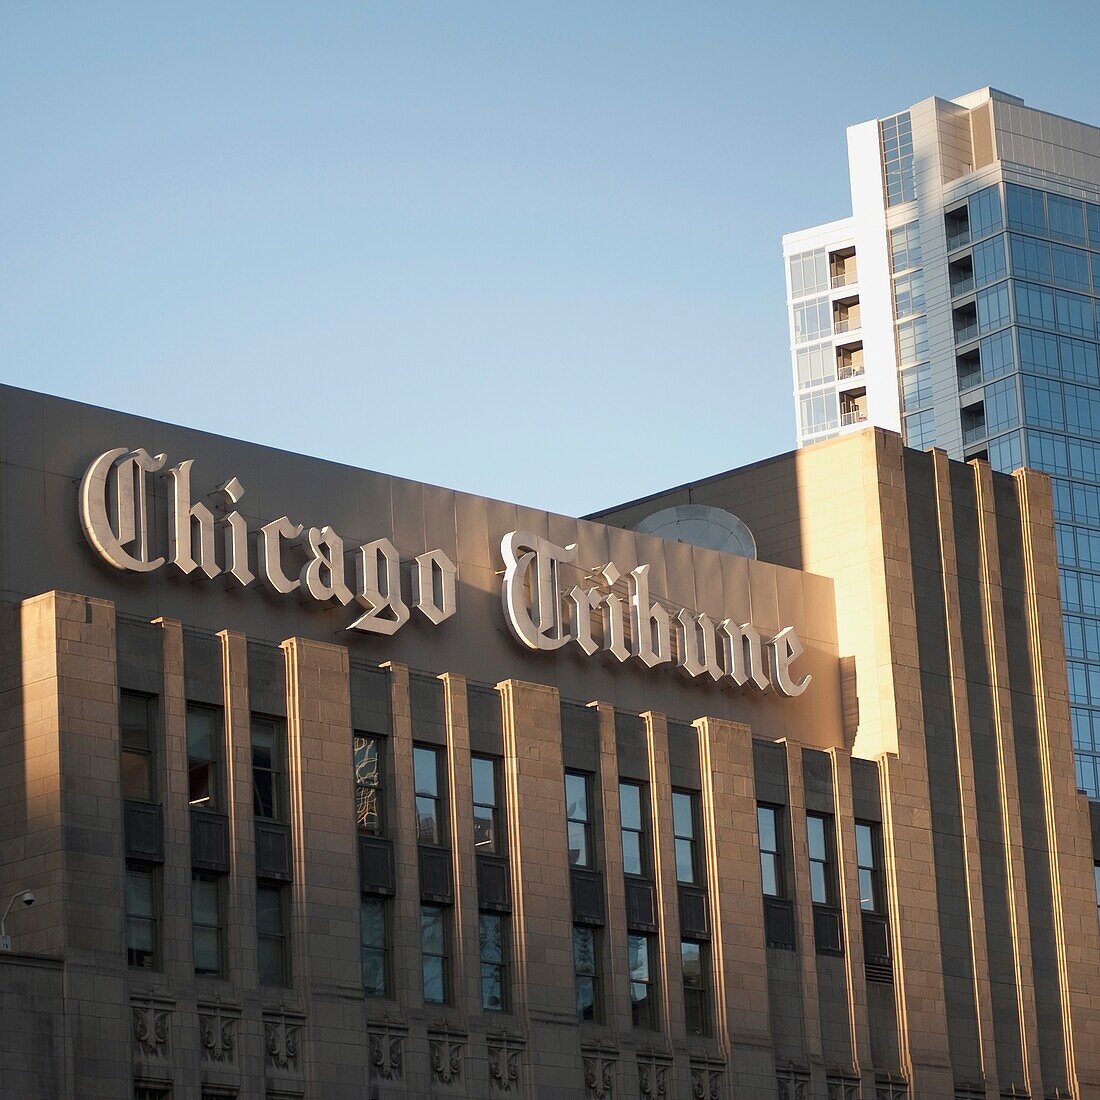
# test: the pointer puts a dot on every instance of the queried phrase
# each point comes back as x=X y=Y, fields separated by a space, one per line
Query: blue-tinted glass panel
x=1026 y=209
x=920 y=429
x=1001 y=406
x=1075 y=314
x=1079 y=360
x=916 y=386
x=1006 y=453
x=1067 y=218
x=1084 y=459
x=1039 y=352
x=905 y=247
x=993 y=308
x=1082 y=410
x=985 y=212
x=1030 y=258
x=1043 y=406
x=997 y=355
x=1092 y=216
x=1085 y=503
x=1048 y=452
x=989 y=261
x=1071 y=267
x=1034 y=305
x=896 y=134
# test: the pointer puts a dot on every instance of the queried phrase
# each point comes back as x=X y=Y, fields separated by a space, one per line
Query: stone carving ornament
x=150 y=1031
x=281 y=1043
x=219 y=1035
x=504 y=1053
x=599 y=1074
x=706 y=1082
x=445 y=1055
x=652 y=1080
x=386 y=1054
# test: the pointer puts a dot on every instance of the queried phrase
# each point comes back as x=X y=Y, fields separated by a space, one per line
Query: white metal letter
x=378 y=588
x=785 y=648
x=236 y=537
x=183 y=520
x=130 y=509
x=649 y=623
x=326 y=555
x=540 y=626
x=271 y=560
x=743 y=655
x=434 y=583
x=698 y=645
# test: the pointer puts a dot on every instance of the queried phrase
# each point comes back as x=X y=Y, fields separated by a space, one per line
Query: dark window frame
x=825 y=860
x=873 y=869
x=495 y=845
x=276 y=772
x=214 y=763
x=280 y=937
x=494 y=967
x=587 y=978
x=147 y=753
x=644 y=1012
x=444 y=956
x=697 y=993
x=645 y=853
x=369 y=791
x=437 y=797
x=584 y=823
x=690 y=839
x=776 y=856
x=219 y=928
x=380 y=951
x=152 y=919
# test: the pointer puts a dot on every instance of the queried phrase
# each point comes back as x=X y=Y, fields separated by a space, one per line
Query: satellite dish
x=701 y=525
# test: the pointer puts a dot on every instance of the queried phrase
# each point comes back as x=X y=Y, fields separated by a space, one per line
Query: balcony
x=973 y=433
x=959 y=239
x=965 y=333
x=853 y=416
x=852 y=370
x=849 y=324
x=845 y=278
x=960 y=287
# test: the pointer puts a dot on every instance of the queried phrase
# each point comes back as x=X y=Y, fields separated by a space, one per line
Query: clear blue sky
x=530 y=251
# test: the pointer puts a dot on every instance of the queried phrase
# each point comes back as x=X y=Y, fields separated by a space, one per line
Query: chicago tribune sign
x=542 y=614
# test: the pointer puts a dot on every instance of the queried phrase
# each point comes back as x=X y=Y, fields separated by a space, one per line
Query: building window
x=632 y=811
x=912 y=341
x=367 y=757
x=429 y=802
x=271 y=934
x=813 y=319
x=586 y=972
x=373 y=940
x=578 y=822
x=819 y=831
x=491 y=946
x=984 y=214
x=920 y=430
x=1026 y=209
x=816 y=365
x=141 y=916
x=267 y=768
x=696 y=997
x=908 y=294
x=868 y=846
x=136 y=724
x=897 y=158
x=487 y=839
x=916 y=386
x=809 y=273
x=905 y=247
x=204 y=738
x=433 y=947
x=683 y=828
x=206 y=923
x=771 y=861
x=818 y=412
x=643 y=1008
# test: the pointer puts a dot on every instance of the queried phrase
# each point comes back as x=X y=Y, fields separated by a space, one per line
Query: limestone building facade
x=332 y=785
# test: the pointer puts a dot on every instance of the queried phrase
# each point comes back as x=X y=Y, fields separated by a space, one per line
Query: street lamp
x=27 y=898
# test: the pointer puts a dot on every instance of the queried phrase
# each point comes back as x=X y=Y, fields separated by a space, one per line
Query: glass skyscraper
x=960 y=305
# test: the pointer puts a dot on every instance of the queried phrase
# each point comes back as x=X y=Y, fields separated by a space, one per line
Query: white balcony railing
x=853 y=416
x=853 y=371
